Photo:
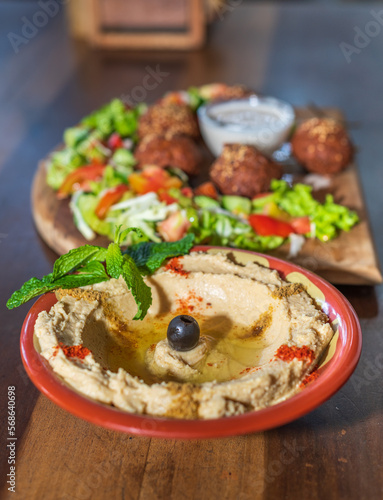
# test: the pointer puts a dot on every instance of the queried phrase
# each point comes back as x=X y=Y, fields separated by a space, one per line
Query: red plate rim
x=331 y=379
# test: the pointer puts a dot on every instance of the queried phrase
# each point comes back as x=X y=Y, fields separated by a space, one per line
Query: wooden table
x=291 y=51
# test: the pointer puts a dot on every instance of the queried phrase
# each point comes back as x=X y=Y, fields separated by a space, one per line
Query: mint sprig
x=122 y=265
x=149 y=256
x=89 y=264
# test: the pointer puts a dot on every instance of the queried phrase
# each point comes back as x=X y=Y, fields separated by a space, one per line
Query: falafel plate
x=137 y=167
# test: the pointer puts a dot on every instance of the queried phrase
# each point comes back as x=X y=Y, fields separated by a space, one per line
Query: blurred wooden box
x=139 y=24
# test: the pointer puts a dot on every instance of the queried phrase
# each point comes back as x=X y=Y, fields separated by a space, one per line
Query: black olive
x=183 y=333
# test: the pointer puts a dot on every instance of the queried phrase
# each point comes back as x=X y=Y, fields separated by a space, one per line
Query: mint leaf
x=32 y=288
x=149 y=256
x=77 y=257
x=114 y=260
x=93 y=269
x=77 y=280
x=141 y=292
x=90 y=274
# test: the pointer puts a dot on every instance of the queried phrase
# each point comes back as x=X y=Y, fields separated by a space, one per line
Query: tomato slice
x=79 y=178
x=139 y=184
x=109 y=198
x=187 y=191
x=153 y=179
x=166 y=197
x=174 y=227
x=207 y=189
x=269 y=226
x=155 y=173
x=173 y=182
x=301 y=225
x=115 y=141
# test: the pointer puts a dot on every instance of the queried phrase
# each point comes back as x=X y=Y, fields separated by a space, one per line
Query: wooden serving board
x=348 y=259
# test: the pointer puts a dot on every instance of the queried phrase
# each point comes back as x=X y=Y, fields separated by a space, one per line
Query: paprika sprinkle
x=309 y=378
x=75 y=351
x=175 y=266
x=288 y=353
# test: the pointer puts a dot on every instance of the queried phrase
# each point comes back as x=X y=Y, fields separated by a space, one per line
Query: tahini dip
x=263 y=122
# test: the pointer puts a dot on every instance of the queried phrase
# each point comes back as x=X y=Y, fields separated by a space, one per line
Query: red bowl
x=334 y=370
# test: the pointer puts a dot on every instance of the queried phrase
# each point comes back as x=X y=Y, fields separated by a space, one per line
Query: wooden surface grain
x=290 y=51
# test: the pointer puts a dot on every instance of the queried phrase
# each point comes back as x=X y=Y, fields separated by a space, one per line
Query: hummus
x=260 y=337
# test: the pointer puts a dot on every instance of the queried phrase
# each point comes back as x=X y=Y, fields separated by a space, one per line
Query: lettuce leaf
x=113 y=117
x=61 y=164
x=328 y=218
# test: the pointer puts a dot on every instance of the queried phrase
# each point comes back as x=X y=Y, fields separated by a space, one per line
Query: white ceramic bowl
x=263 y=122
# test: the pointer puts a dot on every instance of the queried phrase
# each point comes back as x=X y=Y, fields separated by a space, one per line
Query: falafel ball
x=322 y=146
x=168 y=119
x=177 y=151
x=244 y=171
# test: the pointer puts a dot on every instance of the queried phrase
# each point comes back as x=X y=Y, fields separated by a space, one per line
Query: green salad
x=96 y=170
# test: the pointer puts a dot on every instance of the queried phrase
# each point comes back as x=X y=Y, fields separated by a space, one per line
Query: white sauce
x=247 y=116
x=262 y=122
